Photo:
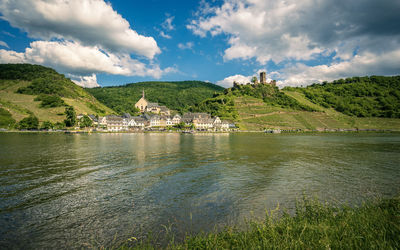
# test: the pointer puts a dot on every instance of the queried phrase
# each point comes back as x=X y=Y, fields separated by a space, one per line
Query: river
x=82 y=190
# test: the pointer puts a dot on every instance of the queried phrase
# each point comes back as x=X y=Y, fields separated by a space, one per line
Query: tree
x=31 y=122
x=71 y=116
x=50 y=101
x=47 y=125
x=59 y=125
x=180 y=125
x=85 y=122
x=254 y=80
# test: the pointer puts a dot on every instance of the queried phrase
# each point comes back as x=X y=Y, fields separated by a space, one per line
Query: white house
x=176 y=119
x=116 y=123
x=169 y=121
x=154 y=121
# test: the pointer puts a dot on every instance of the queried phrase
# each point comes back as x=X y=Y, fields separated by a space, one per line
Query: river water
x=83 y=190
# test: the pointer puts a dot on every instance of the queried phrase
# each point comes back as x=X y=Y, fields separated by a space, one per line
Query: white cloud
x=80 y=39
x=7 y=56
x=79 y=60
x=258 y=29
x=86 y=81
x=167 y=24
x=165 y=35
x=228 y=81
x=4 y=44
x=91 y=22
x=359 y=65
x=292 y=30
x=188 y=45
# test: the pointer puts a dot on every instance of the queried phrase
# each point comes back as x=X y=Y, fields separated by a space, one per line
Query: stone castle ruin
x=263 y=80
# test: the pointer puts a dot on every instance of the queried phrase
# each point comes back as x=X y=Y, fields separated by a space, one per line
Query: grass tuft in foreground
x=374 y=225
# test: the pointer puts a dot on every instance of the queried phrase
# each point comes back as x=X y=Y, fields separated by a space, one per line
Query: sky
x=107 y=43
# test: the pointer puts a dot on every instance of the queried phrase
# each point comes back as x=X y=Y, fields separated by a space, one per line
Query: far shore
x=299 y=131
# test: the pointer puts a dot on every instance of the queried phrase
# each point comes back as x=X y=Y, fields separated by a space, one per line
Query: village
x=155 y=117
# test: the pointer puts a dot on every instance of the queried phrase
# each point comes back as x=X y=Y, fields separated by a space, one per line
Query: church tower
x=142 y=103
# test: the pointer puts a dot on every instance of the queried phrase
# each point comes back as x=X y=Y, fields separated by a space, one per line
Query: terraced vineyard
x=254 y=114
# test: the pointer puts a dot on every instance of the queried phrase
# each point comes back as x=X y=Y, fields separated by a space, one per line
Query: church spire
x=143 y=93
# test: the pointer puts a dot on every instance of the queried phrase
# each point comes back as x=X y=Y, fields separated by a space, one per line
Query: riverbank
x=315 y=225
x=207 y=132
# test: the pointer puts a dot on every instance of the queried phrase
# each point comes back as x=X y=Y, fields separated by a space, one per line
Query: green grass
x=21 y=104
x=314 y=225
x=6 y=120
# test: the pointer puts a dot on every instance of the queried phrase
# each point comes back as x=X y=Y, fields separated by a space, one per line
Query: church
x=152 y=107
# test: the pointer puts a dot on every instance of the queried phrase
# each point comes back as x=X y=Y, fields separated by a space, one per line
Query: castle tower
x=263 y=78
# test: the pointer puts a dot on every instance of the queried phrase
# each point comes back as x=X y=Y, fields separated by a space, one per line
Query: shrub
x=85 y=122
x=31 y=122
x=47 y=125
x=50 y=101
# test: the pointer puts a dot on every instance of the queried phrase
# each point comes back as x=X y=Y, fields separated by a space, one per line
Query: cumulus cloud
x=4 y=44
x=81 y=61
x=85 y=81
x=81 y=39
x=228 y=81
x=188 y=45
x=91 y=22
x=300 y=30
x=9 y=56
x=359 y=65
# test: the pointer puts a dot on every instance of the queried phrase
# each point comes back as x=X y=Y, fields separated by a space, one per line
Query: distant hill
x=357 y=102
x=178 y=96
x=371 y=103
x=27 y=89
x=375 y=96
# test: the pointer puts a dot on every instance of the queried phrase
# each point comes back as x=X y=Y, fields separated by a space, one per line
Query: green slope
x=375 y=96
x=266 y=107
x=175 y=95
x=21 y=84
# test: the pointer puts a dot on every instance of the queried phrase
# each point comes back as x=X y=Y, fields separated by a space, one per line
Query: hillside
x=375 y=96
x=27 y=89
x=175 y=95
x=266 y=107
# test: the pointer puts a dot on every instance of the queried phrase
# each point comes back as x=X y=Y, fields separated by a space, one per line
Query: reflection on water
x=79 y=190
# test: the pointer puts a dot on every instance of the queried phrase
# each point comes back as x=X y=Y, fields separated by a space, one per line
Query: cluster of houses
x=198 y=121
x=156 y=117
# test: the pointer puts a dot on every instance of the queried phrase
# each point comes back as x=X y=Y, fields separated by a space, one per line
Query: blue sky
x=96 y=42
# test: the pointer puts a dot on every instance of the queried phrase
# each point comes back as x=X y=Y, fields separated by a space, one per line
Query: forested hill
x=32 y=90
x=375 y=96
x=352 y=103
x=175 y=95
